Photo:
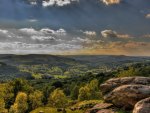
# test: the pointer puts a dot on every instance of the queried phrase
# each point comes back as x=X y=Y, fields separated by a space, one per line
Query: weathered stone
x=99 y=107
x=142 y=106
x=111 y=84
x=102 y=106
x=127 y=96
x=105 y=111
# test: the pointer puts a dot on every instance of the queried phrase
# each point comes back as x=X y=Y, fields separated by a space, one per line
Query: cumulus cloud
x=42 y=38
x=3 y=31
x=35 y=48
x=108 y=33
x=29 y=31
x=111 y=2
x=57 y=32
x=114 y=34
x=44 y=34
x=90 y=33
x=45 y=39
x=46 y=3
x=60 y=32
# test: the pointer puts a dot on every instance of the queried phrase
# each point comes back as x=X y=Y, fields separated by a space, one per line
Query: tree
x=58 y=99
x=84 y=93
x=21 y=85
x=89 y=91
x=2 y=106
x=75 y=92
x=20 y=105
x=12 y=88
x=93 y=85
x=46 y=92
x=35 y=100
x=127 y=73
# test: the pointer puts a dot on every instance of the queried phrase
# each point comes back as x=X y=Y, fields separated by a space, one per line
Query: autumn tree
x=12 y=88
x=35 y=100
x=84 y=93
x=20 y=105
x=2 y=106
x=89 y=91
x=58 y=99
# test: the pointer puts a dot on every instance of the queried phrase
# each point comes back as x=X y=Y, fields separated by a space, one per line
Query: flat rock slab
x=105 y=111
x=98 y=107
x=102 y=106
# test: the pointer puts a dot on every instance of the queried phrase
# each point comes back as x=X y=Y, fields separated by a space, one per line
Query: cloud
x=32 y=20
x=128 y=46
x=20 y=46
x=118 y=48
x=47 y=31
x=136 y=45
x=29 y=31
x=108 y=33
x=46 y=40
x=146 y=36
x=90 y=33
x=60 y=32
x=44 y=34
x=148 y=16
x=57 y=32
x=60 y=3
x=3 y=31
x=111 y=2
x=114 y=34
x=5 y=34
x=43 y=38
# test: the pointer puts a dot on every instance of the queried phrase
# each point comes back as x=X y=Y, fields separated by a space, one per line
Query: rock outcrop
x=101 y=108
x=111 y=84
x=126 y=92
x=142 y=106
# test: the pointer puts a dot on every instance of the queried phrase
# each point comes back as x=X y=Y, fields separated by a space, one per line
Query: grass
x=53 y=110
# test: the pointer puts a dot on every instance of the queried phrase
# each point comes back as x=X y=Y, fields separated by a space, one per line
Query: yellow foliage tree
x=58 y=99
x=2 y=106
x=35 y=99
x=20 y=105
x=89 y=91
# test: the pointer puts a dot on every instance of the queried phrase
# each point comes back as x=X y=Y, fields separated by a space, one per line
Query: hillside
x=47 y=66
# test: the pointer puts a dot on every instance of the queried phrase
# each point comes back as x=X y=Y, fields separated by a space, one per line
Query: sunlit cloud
x=60 y=3
x=111 y=2
x=148 y=16
x=114 y=34
x=90 y=33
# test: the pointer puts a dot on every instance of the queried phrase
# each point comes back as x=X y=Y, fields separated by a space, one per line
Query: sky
x=75 y=27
